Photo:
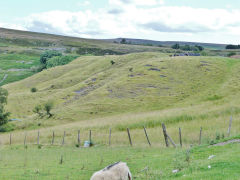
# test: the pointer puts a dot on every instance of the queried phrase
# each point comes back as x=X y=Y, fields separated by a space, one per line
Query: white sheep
x=116 y=171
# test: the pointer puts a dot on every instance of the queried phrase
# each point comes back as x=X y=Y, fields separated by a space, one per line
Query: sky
x=211 y=21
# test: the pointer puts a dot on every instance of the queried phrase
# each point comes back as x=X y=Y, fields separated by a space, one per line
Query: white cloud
x=12 y=26
x=133 y=21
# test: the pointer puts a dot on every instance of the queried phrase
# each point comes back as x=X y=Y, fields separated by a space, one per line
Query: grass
x=43 y=162
x=91 y=93
x=16 y=66
x=139 y=89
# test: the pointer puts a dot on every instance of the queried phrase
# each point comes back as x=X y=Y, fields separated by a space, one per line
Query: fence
x=168 y=141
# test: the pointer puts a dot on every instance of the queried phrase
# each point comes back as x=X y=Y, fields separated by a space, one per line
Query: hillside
x=139 y=89
x=37 y=42
x=169 y=43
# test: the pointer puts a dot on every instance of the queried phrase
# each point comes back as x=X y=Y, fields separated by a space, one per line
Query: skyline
x=160 y=20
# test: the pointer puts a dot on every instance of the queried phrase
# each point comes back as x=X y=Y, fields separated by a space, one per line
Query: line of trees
x=231 y=46
x=188 y=47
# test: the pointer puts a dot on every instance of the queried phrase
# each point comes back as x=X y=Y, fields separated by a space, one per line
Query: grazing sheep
x=116 y=171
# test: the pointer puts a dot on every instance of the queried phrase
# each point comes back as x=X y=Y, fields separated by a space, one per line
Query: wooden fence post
x=165 y=134
x=38 y=137
x=25 y=139
x=147 y=136
x=171 y=141
x=200 y=136
x=53 y=136
x=90 y=136
x=230 y=125
x=110 y=133
x=10 y=139
x=78 y=138
x=129 y=137
x=63 y=140
x=180 y=136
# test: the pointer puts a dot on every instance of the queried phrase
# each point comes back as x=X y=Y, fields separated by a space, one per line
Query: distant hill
x=168 y=43
x=41 y=41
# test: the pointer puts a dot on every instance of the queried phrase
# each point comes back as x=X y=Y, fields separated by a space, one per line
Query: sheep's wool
x=116 y=171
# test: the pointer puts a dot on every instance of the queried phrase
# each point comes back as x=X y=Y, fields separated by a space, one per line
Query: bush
x=7 y=127
x=230 y=46
x=59 y=60
x=3 y=101
x=112 y=62
x=33 y=90
x=47 y=55
x=48 y=107
x=176 y=46
x=38 y=110
x=43 y=110
x=231 y=54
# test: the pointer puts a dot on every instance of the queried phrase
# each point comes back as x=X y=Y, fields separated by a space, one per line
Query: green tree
x=48 y=107
x=59 y=60
x=123 y=41
x=3 y=101
x=176 y=46
x=46 y=56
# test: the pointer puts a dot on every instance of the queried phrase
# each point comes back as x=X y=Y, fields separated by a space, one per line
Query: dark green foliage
x=3 y=101
x=48 y=107
x=231 y=54
x=200 y=48
x=230 y=46
x=59 y=60
x=38 y=110
x=123 y=41
x=176 y=46
x=188 y=47
x=33 y=90
x=112 y=62
x=43 y=110
x=7 y=127
x=47 y=55
x=97 y=51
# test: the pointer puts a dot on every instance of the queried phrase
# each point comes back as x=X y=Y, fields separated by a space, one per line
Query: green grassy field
x=33 y=162
x=16 y=67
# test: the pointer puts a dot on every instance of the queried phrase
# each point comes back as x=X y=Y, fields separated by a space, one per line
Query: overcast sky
x=214 y=21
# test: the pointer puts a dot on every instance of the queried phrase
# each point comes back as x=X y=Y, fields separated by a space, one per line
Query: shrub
x=231 y=54
x=176 y=46
x=48 y=107
x=3 y=101
x=59 y=60
x=39 y=110
x=33 y=90
x=44 y=109
x=112 y=62
x=47 y=55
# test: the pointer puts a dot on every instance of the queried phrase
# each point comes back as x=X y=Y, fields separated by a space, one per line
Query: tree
x=48 y=107
x=3 y=101
x=123 y=41
x=231 y=46
x=46 y=56
x=200 y=48
x=176 y=46
x=44 y=109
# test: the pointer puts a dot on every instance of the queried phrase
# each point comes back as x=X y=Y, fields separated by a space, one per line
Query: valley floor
x=44 y=162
